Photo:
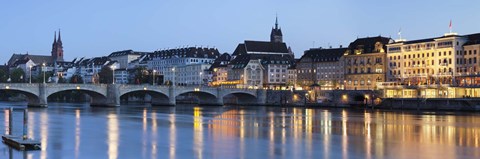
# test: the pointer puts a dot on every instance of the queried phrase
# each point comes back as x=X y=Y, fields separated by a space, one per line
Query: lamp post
x=201 y=79
x=43 y=69
x=113 y=74
x=153 y=77
x=173 y=78
x=30 y=76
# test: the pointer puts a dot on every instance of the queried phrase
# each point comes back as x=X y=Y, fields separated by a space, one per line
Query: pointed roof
x=276 y=22
x=55 y=37
x=59 y=37
x=276 y=30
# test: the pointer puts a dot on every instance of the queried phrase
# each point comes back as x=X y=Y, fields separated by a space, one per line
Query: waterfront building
x=125 y=57
x=439 y=67
x=322 y=67
x=166 y=62
x=365 y=63
x=292 y=75
x=194 y=74
x=261 y=64
x=219 y=70
x=89 y=68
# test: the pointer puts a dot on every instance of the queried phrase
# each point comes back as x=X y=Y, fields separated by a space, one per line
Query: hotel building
x=440 y=67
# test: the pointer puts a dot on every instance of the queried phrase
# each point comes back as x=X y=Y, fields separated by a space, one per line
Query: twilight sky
x=99 y=27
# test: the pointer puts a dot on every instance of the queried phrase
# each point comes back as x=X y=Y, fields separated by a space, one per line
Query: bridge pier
x=261 y=97
x=113 y=96
x=42 y=97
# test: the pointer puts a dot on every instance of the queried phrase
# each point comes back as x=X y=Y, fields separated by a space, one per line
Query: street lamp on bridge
x=113 y=74
x=153 y=77
x=30 y=76
x=43 y=69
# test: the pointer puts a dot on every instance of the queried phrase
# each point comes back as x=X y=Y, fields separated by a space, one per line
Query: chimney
x=341 y=46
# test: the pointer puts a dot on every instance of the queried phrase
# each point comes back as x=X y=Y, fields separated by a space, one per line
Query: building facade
x=166 y=62
x=365 y=63
x=261 y=64
x=322 y=67
x=219 y=70
x=125 y=57
x=440 y=67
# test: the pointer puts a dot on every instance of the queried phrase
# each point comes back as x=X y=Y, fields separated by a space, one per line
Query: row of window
x=362 y=70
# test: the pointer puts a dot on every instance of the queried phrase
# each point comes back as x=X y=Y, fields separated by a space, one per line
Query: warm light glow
x=112 y=135
x=7 y=87
x=78 y=87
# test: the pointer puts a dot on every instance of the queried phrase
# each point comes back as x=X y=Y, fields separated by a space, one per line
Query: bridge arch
x=202 y=97
x=97 y=98
x=240 y=98
x=97 y=93
x=157 y=97
x=32 y=98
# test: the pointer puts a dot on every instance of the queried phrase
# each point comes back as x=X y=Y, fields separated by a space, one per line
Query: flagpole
x=450 y=26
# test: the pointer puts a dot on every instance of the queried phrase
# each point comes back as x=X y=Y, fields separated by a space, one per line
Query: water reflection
x=77 y=132
x=197 y=132
x=112 y=135
x=154 y=134
x=248 y=132
x=44 y=129
x=173 y=136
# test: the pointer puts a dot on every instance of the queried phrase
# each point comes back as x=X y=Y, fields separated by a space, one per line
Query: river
x=186 y=131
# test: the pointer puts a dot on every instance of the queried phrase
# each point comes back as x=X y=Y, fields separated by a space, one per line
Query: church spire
x=276 y=21
x=55 y=37
x=59 y=36
x=276 y=34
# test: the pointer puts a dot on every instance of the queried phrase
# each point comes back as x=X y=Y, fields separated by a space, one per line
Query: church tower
x=276 y=35
x=57 y=47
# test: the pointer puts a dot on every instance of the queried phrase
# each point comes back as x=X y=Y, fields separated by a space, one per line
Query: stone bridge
x=109 y=94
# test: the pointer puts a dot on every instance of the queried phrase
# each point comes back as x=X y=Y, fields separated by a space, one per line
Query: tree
x=140 y=75
x=106 y=75
x=39 y=78
x=17 y=75
x=76 y=78
x=3 y=76
x=61 y=79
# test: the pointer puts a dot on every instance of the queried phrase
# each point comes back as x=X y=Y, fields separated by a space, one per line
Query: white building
x=125 y=57
x=168 y=62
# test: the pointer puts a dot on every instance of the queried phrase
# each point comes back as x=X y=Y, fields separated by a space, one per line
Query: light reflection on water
x=79 y=131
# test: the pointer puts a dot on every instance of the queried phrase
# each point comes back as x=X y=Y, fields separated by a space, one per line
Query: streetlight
x=30 y=71
x=153 y=77
x=173 y=79
x=43 y=69
x=113 y=74
x=201 y=79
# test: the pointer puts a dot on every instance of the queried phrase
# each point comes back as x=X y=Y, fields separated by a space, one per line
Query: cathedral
x=57 y=48
x=56 y=56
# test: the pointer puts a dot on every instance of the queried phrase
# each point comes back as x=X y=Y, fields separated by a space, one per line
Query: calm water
x=79 y=131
